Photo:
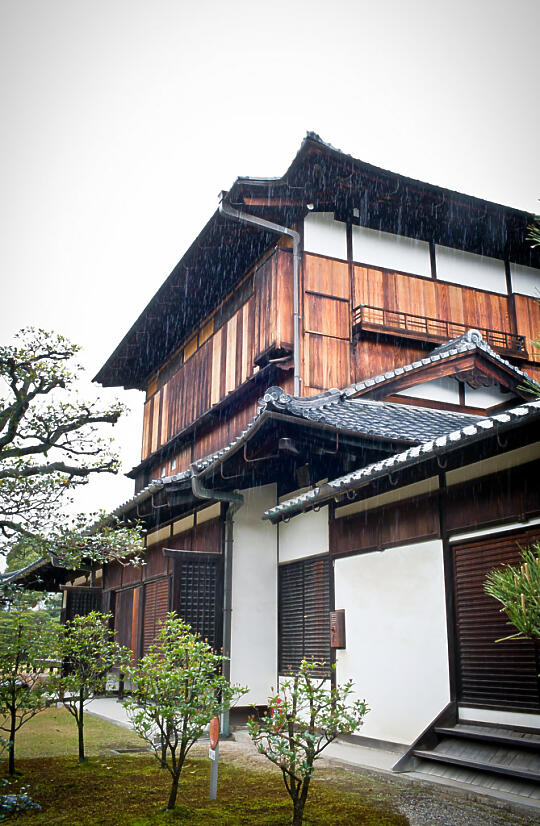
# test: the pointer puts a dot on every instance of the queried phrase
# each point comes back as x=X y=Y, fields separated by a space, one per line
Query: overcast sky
x=123 y=119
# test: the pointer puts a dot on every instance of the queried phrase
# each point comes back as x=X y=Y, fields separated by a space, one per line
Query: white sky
x=123 y=119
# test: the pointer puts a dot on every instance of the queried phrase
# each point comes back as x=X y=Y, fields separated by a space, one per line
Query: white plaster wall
x=394 y=252
x=396 y=635
x=439 y=390
x=305 y=535
x=470 y=270
x=254 y=597
x=486 y=397
x=324 y=235
x=525 y=280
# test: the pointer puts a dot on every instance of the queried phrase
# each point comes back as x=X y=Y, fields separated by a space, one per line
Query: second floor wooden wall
x=231 y=355
x=228 y=353
x=332 y=289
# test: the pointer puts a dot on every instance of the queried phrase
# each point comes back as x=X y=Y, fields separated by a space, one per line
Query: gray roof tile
x=384 y=420
x=433 y=447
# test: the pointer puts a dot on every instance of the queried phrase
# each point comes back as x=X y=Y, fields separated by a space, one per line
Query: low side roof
x=44 y=574
x=483 y=428
x=388 y=420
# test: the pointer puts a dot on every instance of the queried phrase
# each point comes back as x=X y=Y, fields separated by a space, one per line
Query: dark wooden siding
x=501 y=675
x=303 y=615
x=510 y=494
x=123 y=611
x=396 y=524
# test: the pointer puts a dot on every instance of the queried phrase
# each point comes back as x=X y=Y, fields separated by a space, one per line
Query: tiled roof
x=199 y=466
x=336 y=408
x=468 y=342
x=482 y=428
x=386 y=420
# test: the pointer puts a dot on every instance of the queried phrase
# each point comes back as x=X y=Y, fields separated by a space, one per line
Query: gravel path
x=423 y=803
x=438 y=807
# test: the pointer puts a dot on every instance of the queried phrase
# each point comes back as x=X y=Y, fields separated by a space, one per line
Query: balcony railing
x=423 y=328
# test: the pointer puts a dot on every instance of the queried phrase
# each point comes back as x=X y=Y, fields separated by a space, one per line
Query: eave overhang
x=45 y=574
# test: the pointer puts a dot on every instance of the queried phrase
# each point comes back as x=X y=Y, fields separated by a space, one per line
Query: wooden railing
x=422 y=328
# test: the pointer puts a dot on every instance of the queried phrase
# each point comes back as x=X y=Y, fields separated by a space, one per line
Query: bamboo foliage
x=517 y=588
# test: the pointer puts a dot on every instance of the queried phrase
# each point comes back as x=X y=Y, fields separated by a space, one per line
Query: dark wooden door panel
x=123 y=611
x=490 y=674
x=156 y=605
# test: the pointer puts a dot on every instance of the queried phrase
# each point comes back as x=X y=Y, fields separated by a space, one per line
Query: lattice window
x=200 y=595
x=81 y=601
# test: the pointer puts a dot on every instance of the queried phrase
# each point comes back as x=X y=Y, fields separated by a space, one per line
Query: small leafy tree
x=27 y=639
x=517 y=588
x=301 y=721
x=88 y=651
x=177 y=690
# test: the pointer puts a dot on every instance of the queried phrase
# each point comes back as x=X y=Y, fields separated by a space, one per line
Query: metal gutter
x=235 y=502
x=230 y=212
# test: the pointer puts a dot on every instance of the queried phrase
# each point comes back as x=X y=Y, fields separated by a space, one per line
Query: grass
x=131 y=789
x=53 y=733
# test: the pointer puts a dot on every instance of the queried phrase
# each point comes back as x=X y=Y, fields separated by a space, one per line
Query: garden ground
x=129 y=789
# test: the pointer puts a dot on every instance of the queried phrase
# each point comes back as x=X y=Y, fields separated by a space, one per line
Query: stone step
x=507 y=769
x=490 y=734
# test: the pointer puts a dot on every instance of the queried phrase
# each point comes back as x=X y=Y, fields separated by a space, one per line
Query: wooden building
x=388 y=498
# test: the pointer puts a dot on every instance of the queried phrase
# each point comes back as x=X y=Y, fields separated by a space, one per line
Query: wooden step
x=478 y=765
x=504 y=737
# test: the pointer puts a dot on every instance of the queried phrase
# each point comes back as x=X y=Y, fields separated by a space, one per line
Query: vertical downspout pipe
x=235 y=502
x=270 y=226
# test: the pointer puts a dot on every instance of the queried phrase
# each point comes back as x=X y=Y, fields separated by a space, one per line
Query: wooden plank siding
x=528 y=324
x=434 y=299
x=327 y=324
x=414 y=519
x=205 y=538
x=225 y=359
x=507 y=496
